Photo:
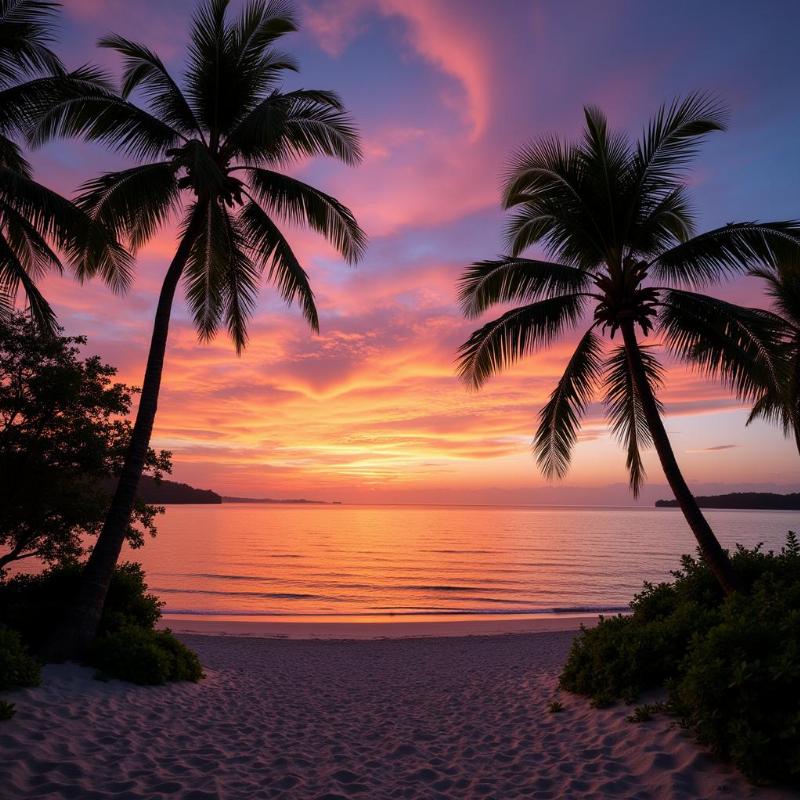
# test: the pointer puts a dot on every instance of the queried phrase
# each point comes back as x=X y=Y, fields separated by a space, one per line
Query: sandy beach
x=452 y=717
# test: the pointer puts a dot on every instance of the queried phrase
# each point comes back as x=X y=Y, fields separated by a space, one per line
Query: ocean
x=349 y=563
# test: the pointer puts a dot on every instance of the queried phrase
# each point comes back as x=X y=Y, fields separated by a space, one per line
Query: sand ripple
x=333 y=720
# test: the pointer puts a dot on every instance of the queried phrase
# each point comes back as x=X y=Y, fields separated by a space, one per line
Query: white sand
x=397 y=718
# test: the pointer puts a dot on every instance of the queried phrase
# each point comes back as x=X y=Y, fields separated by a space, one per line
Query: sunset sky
x=443 y=91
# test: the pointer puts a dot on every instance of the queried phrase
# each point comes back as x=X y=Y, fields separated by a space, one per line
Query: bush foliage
x=146 y=657
x=127 y=646
x=31 y=603
x=17 y=667
x=63 y=438
x=731 y=664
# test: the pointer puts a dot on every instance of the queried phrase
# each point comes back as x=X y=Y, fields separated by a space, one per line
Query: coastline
x=369 y=629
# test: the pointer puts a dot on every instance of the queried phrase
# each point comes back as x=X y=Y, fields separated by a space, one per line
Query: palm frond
x=739 y=346
x=205 y=271
x=560 y=418
x=240 y=282
x=302 y=204
x=546 y=185
x=133 y=203
x=142 y=68
x=509 y=279
x=625 y=411
x=515 y=334
x=672 y=138
x=82 y=104
x=607 y=159
x=730 y=250
x=269 y=246
x=26 y=35
x=14 y=274
x=30 y=246
x=283 y=128
x=661 y=225
x=91 y=248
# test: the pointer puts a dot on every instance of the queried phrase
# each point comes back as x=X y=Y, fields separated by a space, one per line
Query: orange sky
x=371 y=410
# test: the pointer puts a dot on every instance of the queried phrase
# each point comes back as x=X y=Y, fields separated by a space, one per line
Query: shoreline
x=367 y=630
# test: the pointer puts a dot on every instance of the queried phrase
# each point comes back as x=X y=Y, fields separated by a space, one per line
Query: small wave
x=265 y=595
x=392 y=611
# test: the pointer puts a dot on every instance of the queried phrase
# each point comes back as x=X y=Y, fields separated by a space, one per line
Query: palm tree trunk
x=79 y=627
x=710 y=548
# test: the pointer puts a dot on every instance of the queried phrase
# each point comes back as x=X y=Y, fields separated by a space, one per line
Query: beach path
x=459 y=717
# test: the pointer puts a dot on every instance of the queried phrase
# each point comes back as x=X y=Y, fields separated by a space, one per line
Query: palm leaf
x=12 y=275
x=26 y=33
x=515 y=334
x=133 y=203
x=268 y=245
x=302 y=204
x=672 y=140
x=508 y=279
x=82 y=104
x=143 y=68
x=560 y=418
x=626 y=413
x=730 y=250
x=739 y=346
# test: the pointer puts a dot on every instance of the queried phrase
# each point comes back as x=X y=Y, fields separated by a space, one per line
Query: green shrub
x=32 y=604
x=7 y=710
x=17 y=667
x=146 y=657
x=646 y=712
x=731 y=664
x=739 y=688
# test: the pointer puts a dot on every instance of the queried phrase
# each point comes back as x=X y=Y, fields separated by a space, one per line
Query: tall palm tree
x=613 y=216
x=780 y=401
x=36 y=222
x=210 y=149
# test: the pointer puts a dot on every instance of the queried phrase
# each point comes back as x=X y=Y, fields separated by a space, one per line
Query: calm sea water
x=361 y=562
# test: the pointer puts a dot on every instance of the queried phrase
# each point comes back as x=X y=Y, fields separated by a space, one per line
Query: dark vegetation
x=622 y=255
x=211 y=147
x=743 y=500
x=127 y=646
x=63 y=434
x=63 y=437
x=730 y=664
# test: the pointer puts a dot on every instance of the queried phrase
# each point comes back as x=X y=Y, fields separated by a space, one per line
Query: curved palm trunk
x=81 y=620
x=710 y=548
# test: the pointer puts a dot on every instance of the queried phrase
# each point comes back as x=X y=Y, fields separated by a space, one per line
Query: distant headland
x=762 y=501
x=166 y=492
x=298 y=501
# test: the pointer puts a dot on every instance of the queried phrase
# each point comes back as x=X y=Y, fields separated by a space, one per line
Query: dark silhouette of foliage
x=780 y=401
x=615 y=223
x=730 y=662
x=63 y=437
x=210 y=149
x=35 y=222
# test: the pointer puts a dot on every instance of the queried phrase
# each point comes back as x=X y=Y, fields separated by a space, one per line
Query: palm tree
x=35 y=222
x=614 y=218
x=210 y=149
x=780 y=401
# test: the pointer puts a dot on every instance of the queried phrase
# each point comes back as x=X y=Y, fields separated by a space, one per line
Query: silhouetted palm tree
x=780 y=401
x=211 y=149
x=35 y=222
x=614 y=217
